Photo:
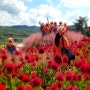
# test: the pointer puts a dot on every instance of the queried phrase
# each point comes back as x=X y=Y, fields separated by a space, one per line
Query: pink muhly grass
x=32 y=40
x=74 y=36
x=49 y=38
x=36 y=39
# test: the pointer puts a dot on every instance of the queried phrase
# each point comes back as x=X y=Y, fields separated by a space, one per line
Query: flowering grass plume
x=74 y=36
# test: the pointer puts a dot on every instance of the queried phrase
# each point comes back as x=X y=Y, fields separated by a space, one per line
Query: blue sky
x=30 y=12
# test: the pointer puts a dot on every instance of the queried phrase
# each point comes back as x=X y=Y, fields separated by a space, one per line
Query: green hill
x=19 y=32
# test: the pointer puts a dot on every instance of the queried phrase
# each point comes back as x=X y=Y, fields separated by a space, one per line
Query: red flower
x=87 y=76
x=20 y=87
x=75 y=88
x=82 y=68
x=77 y=53
x=69 y=76
x=54 y=66
x=41 y=50
x=33 y=75
x=29 y=60
x=21 y=75
x=58 y=59
x=59 y=77
x=36 y=82
x=4 y=56
x=14 y=74
x=2 y=86
x=24 y=77
x=75 y=76
x=36 y=57
x=79 y=77
x=87 y=68
x=28 y=88
x=44 y=70
x=27 y=56
x=88 y=88
x=70 y=87
x=78 y=64
x=17 y=52
x=55 y=86
x=1 y=71
x=33 y=63
x=65 y=59
x=21 y=58
x=80 y=45
x=49 y=63
x=10 y=68
x=19 y=66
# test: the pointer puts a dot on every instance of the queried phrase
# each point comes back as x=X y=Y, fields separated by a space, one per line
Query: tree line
x=82 y=26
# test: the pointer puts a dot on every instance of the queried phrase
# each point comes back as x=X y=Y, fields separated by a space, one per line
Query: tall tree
x=81 y=24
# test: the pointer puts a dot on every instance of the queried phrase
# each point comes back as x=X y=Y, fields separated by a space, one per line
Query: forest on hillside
x=17 y=33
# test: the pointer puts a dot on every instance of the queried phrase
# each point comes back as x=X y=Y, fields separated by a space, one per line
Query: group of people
x=51 y=27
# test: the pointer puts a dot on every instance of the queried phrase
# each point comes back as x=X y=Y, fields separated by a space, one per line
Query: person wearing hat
x=61 y=44
x=58 y=44
x=10 y=47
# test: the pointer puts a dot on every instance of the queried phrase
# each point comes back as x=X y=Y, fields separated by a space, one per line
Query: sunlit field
x=35 y=67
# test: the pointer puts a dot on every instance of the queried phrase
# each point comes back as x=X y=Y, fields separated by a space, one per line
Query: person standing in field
x=61 y=42
x=10 y=47
x=58 y=40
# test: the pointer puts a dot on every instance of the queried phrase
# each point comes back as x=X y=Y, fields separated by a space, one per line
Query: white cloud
x=6 y=19
x=71 y=16
x=76 y=3
x=49 y=11
x=12 y=6
x=42 y=12
x=25 y=0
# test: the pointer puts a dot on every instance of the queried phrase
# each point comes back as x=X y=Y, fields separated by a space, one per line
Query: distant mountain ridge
x=25 y=26
x=22 y=27
x=31 y=27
